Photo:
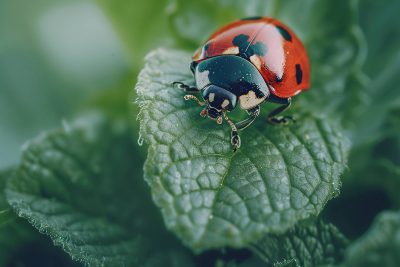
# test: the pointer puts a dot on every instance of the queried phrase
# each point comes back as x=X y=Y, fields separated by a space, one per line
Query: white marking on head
x=202 y=79
x=211 y=97
x=225 y=103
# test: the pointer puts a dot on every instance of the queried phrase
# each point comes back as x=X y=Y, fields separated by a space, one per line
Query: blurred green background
x=55 y=56
x=59 y=58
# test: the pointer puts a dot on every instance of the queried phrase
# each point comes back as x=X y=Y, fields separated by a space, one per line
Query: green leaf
x=23 y=245
x=379 y=246
x=334 y=41
x=20 y=243
x=81 y=185
x=306 y=245
x=10 y=239
x=211 y=197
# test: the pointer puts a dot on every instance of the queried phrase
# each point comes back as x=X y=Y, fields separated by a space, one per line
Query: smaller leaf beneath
x=81 y=185
x=309 y=245
x=379 y=246
x=20 y=243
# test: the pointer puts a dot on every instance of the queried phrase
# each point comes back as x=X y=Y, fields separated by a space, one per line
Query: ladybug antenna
x=187 y=97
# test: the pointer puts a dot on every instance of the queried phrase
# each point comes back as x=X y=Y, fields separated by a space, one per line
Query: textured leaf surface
x=20 y=243
x=211 y=197
x=9 y=238
x=80 y=186
x=380 y=246
x=312 y=245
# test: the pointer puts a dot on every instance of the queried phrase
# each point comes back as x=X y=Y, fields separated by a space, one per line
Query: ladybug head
x=218 y=101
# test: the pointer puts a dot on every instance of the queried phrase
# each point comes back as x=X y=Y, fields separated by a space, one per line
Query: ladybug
x=248 y=62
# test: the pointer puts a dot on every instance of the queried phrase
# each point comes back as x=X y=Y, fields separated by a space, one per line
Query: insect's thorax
x=231 y=77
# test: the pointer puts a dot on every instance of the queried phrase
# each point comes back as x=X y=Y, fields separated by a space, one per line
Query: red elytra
x=283 y=61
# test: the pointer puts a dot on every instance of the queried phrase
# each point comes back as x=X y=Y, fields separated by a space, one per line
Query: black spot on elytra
x=253 y=18
x=246 y=49
x=241 y=41
x=257 y=49
x=285 y=34
x=299 y=74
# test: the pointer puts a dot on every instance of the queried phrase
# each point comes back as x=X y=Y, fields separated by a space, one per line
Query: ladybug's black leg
x=186 y=88
x=254 y=112
x=272 y=116
x=235 y=138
